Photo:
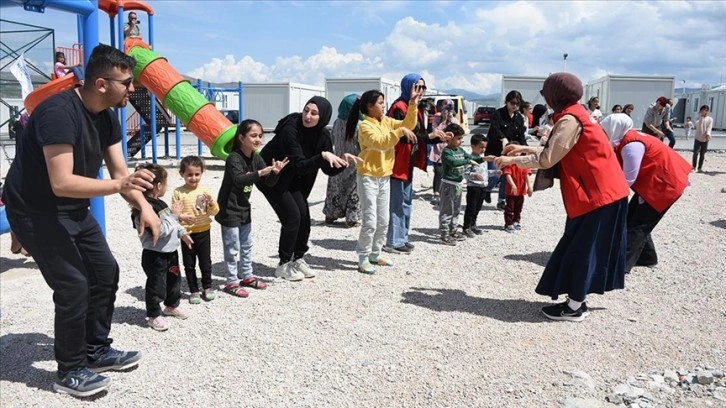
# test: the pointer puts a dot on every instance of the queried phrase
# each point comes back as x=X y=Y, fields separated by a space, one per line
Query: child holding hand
x=518 y=183
x=160 y=261
x=243 y=168
x=198 y=206
x=453 y=163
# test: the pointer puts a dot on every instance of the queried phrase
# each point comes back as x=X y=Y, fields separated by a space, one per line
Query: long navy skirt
x=590 y=257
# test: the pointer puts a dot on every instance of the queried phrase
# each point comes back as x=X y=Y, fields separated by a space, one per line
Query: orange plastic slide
x=51 y=88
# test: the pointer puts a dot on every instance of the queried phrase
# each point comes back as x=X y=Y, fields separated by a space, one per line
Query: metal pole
x=178 y=138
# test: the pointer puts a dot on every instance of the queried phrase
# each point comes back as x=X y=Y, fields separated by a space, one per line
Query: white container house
x=270 y=102
x=641 y=91
x=338 y=88
x=528 y=86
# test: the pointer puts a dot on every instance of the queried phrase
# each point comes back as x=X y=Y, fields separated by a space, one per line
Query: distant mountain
x=475 y=97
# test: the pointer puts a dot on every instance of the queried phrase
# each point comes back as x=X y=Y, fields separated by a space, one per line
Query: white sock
x=573 y=304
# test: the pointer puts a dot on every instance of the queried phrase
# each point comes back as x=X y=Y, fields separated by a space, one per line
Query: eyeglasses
x=125 y=82
x=513 y=103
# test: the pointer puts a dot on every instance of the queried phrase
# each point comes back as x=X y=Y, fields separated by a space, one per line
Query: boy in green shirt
x=453 y=162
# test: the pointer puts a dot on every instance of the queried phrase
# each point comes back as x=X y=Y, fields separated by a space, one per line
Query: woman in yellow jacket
x=377 y=135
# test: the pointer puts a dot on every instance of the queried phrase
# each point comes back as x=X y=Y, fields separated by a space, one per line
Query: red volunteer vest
x=663 y=173
x=590 y=176
x=402 y=165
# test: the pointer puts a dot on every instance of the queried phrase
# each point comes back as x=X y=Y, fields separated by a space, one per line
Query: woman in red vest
x=657 y=174
x=590 y=257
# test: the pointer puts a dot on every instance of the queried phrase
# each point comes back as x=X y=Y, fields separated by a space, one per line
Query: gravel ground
x=446 y=326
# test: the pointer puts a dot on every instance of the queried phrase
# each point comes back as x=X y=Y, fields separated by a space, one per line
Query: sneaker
x=455 y=234
x=562 y=312
x=301 y=266
x=487 y=197
x=158 y=323
x=446 y=239
x=501 y=205
x=509 y=228
x=380 y=261
x=177 y=312
x=517 y=226
x=195 y=298
x=476 y=230
x=366 y=267
x=409 y=246
x=81 y=382
x=115 y=360
x=286 y=271
x=469 y=233
x=403 y=249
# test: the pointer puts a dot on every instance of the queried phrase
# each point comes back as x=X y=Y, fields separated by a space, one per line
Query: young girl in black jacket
x=303 y=139
x=243 y=167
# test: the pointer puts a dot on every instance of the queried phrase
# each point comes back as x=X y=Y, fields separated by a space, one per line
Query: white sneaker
x=287 y=271
x=301 y=266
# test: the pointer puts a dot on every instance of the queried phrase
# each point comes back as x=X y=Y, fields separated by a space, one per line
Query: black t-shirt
x=504 y=126
x=60 y=119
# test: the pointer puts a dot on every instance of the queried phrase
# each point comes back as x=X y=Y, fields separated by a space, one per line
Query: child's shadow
x=19 y=353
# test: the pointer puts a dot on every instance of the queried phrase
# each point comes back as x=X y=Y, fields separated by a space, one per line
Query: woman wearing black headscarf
x=590 y=257
x=303 y=139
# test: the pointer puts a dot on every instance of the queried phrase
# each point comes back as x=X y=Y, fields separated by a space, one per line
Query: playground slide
x=46 y=90
x=200 y=116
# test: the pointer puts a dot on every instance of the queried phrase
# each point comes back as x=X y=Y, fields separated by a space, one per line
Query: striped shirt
x=194 y=203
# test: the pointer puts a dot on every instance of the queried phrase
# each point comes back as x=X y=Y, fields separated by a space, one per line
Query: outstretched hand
x=333 y=160
x=408 y=134
x=351 y=158
x=278 y=165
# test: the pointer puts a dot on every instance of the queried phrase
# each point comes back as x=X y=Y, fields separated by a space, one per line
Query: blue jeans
x=237 y=243
x=77 y=72
x=493 y=181
x=401 y=205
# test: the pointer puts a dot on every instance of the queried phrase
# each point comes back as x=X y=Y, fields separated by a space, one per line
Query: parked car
x=483 y=114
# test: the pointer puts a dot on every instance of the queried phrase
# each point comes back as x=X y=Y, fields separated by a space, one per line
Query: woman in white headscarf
x=657 y=174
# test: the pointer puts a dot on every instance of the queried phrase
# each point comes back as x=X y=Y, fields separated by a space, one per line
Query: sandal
x=367 y=268
x=253 y=282
x=234 y=290
x=195 y=298
x=208 y=295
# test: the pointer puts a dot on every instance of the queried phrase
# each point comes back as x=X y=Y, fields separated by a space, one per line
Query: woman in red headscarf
x=590 y=257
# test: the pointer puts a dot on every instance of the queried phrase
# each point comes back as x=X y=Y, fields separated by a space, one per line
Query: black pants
x=474 y=202
x=699 y=148
x=76 y=262
x=669 y=134
x=642 y=219
x=513 y=209
x=163 y=280
x=200 y=251
x=292 y=209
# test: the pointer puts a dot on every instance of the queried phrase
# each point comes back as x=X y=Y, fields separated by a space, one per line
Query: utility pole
x=684 y=88
x=564 y=64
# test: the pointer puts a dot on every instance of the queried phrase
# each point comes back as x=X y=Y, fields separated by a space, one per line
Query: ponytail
x=352 y=122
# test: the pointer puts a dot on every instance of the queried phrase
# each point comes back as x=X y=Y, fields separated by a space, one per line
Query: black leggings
x=292 y=209
x=699 y=148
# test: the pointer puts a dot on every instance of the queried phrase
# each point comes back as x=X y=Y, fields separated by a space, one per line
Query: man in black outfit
x=507 y=125
x=47 y=192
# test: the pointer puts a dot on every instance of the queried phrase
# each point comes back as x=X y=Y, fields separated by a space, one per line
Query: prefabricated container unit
x=269 y=102
x=528 y=86
x=338 y=88
x=716 y=100
x=640 y=91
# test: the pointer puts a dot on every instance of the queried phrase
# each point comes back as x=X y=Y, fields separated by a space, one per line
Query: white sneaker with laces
x=158 y=323
x=288 y=272
x=301 y=266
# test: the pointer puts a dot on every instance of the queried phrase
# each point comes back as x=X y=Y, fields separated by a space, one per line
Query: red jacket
x=663 y=173
x=590 y=176
x=407 y=154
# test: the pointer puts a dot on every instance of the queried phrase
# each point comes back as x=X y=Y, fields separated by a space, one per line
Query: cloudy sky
x=453 y=44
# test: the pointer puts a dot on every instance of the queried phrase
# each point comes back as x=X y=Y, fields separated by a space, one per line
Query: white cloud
x=488 y=40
